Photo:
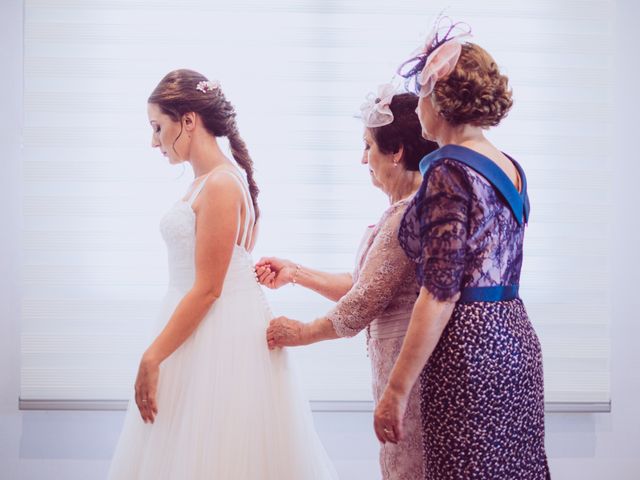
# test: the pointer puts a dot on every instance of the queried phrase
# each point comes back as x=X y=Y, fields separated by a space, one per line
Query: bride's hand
x=284 y=332
x=274 y=272
x=146 y=388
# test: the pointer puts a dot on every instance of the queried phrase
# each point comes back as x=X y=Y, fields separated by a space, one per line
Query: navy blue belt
x=497 y=293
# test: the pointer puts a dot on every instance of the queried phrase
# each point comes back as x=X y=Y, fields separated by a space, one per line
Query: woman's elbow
x=211 y=297
x=334 y=329
x=206 y=296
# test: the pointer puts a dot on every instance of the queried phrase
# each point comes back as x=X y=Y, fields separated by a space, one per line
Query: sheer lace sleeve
x=443 y=215
x=383 y=272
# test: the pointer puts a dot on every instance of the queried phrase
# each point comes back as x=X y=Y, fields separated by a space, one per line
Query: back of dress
x=178 y=231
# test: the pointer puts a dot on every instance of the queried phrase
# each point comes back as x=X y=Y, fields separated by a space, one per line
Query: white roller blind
x=94 y=265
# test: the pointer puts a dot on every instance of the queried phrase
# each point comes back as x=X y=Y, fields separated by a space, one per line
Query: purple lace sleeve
x=383 y=272
x=442 y=212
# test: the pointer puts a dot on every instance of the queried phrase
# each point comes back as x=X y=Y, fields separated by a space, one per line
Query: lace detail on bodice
x=460 y=232
x=385 y=286
x=178 y=229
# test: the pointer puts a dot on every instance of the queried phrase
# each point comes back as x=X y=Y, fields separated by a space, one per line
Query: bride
x=211 y=400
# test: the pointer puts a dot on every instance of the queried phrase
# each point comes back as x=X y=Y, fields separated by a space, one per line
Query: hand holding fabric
x=274 y=272
x=285 y=332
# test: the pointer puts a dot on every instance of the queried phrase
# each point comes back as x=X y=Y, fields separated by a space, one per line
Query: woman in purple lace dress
x=470 y=341
x=381 y=292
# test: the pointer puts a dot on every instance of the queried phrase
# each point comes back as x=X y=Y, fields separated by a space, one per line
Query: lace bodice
x=463 y=230
x=385 y=286
x=178 y=227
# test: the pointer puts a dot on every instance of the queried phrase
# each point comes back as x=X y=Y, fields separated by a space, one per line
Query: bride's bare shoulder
x=220 y=188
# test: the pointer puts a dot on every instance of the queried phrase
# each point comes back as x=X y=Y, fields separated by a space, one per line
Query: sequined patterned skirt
x=482 y=397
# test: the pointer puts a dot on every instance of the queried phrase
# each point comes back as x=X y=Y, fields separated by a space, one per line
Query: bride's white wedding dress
x=228 y=408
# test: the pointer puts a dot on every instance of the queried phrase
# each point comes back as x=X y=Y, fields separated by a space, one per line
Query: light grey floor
x=78 y=445
x=62 y=445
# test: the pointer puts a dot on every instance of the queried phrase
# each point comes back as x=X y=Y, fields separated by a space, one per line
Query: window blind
x=94 y=265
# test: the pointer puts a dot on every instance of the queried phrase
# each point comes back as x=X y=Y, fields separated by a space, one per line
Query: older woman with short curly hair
x=470 y=342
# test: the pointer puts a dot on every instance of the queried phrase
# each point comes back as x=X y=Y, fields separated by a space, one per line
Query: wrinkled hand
x=146 y=389
x=388 y=417
x=284 y=332
x=274 y=272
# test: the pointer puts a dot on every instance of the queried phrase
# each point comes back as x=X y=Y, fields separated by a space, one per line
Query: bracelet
x=295 y=274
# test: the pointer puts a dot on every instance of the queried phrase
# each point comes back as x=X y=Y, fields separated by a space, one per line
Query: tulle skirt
x=228 y=408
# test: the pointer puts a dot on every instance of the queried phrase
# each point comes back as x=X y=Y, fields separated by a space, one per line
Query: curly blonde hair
x=475 y=92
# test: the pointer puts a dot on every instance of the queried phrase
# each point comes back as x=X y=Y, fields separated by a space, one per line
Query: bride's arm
x=218 y=210
x=217 y=221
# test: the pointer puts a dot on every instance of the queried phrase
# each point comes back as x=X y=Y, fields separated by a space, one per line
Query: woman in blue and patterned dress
x=470 y=340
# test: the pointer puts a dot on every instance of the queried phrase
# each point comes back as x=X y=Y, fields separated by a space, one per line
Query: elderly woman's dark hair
x=405 y=131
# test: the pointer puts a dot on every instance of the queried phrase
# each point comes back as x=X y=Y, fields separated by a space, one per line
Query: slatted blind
x=94 y=265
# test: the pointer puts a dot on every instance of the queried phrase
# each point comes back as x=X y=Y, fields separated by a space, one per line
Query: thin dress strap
x=198 y=189
x=247 y=204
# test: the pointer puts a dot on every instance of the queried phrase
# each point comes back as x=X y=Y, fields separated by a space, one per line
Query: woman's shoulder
x=447 y=167
x=219 y=192
x=223 y=181
x=455 y=158
x=391 y=219
x=448 y=176
x=395 y=210
x=467 y=167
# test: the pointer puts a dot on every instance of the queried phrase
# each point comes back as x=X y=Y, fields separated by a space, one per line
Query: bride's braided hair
x=183 y=91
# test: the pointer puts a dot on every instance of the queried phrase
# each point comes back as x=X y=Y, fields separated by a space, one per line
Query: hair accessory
x=437 y=58
x=207 y=86
x=376 y=110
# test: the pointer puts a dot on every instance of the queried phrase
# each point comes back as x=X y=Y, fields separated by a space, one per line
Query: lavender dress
x=381 y=300
x=482 y=388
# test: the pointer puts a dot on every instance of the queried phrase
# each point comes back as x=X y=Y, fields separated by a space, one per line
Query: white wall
x=10 y=121
x=607 y=446
x=70 y=445
x=10 y=124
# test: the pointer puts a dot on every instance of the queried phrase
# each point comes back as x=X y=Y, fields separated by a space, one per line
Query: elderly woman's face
x=429 y=118
x=380 y=164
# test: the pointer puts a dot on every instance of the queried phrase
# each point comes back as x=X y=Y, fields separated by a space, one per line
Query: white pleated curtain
x=94 y=265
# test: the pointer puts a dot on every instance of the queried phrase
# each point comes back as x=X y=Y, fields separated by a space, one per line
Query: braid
x=241 y=156
x=183 y=91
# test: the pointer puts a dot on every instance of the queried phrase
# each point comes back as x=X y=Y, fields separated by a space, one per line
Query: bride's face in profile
x=168 y=136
